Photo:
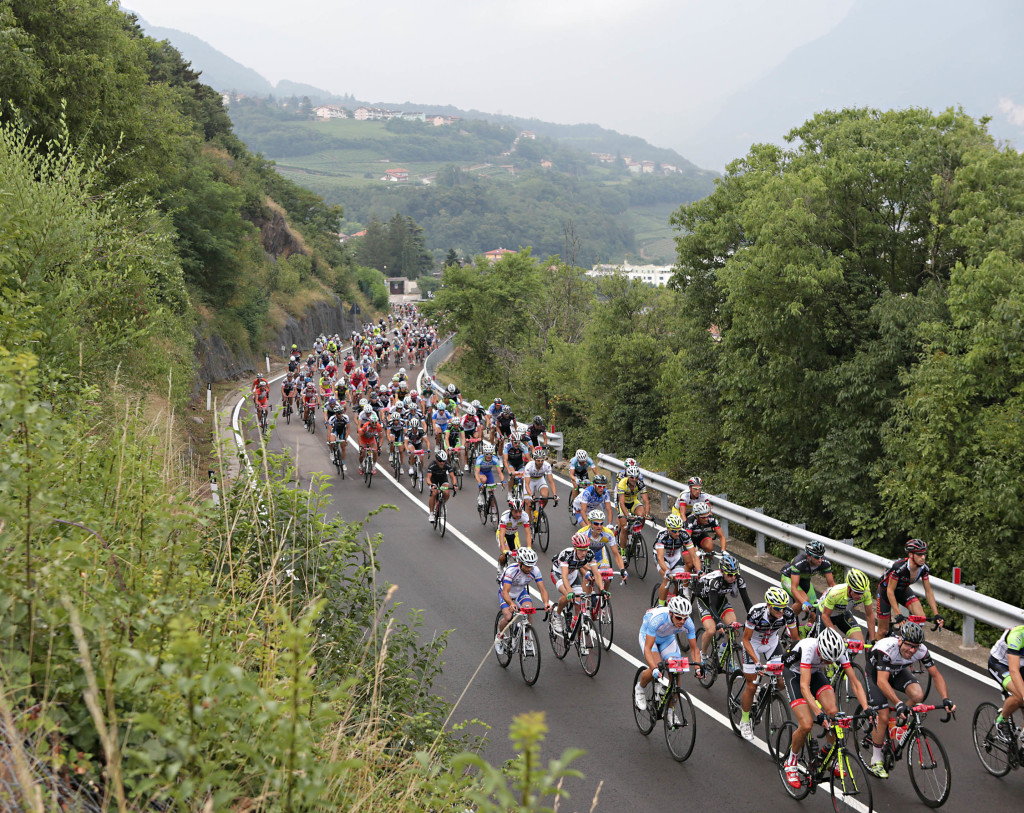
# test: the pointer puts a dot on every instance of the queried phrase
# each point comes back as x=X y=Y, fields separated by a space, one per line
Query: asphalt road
x=452 y=581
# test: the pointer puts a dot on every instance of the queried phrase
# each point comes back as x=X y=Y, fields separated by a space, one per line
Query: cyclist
x=485 y=468
x=796 y=576
x=581 y=468
x=630 y=493
x=289 y=389
x=440 y=418
x=888 y=672
x=515 y=591
x=813 y=697
x=567 y=565
x=711 y=597
x=294 y=354
x=842 y=598
x=415 y=440
x=704 y=528
x=470 y=426
x=1004 y=665
x=396 y=434
x=593 y=496
x=693 y=493
x=538 y=435
x=369 y=432
x=761 y=637
x=262 y=400
x=894 y=588
x=337 y=427
x=453 y=445
x=310 y=401
x=601 y=541
x=536 y=472
x=439 y=473
x=658 y=641
x=258 y=382
x=506 y=422
x=672 y=546
x=341 y=387
x=454 y=394
x=514 y=457
x=493 y=411
x=507 y=534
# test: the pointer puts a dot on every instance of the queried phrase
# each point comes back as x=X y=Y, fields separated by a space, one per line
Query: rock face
x=215 y=361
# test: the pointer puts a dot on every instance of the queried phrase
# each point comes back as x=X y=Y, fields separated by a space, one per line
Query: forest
x=842 y=343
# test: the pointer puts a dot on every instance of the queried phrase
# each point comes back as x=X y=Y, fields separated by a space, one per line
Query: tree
x=452 y=258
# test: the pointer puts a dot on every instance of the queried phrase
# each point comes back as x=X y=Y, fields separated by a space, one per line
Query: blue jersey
x=441 y=418
x=582 y=469
x=658 y=622
x=590 y=498
x=487 y=465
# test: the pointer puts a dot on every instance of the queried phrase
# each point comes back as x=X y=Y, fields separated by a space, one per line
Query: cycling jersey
x=415 y=436
x=700 y=529
x=582 y=470
x=469 y=424
x=765 y=628
x=537 y=472
x=601 y=544
x=568 y=558
x=535 y=432
x=515 y=453
x=899 y=574
x=673 y=546
x=505 y=422
x=437 y=473
x=509 y=525
x=658 y=622
x=338 y=422
x=513 y=575
x=805 y=653
x=801 y=567
x=630 y=493
x=887 y=657
x=838 y=596
x=485 y=465
x=441 y=418
x=591 y=498
x=713 y=586
x=1011 y=642
x=686 y=500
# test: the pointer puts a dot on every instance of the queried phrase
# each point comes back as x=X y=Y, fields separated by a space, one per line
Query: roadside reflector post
x=759 y=539
x=267 y=357
x=209 y=396
x=214 y=488
x=969 y=623
x=957 y=575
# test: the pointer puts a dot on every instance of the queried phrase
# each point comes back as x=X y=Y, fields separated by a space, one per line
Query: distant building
x=528 y=134
x=330 y=111
x=647 y=167
x=497 y=254
x=656 y=275
x=414 y=116
x=397 y=174
x=545 y=164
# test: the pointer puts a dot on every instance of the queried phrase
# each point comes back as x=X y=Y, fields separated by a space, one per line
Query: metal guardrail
x=963 y=599
x=445 y=349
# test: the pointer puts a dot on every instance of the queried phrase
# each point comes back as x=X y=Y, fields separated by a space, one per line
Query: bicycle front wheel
x=846 y=700
x=993 y=752
x=734 y=701
x=442 y=517
x=680 y=725
x=588 y=646
x=646 y=717
x=543 y=532
x=558 y=643
x=775 y=717
x=923 y=677
x=606 y=623
x=529 y=656
x=849 y=785
x=367 y=470
x=420 y=477
x=929 y=768
x=481 y=509
x=783 y=740
x=505 y=656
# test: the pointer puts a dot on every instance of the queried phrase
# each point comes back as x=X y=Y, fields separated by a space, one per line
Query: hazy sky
x=637 y=66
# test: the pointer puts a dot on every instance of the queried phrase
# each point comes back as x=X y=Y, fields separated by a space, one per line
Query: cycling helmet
x=365 y=415
x=695 y=481
x=414 y=423
x=579 y=540
x=776 y=597
x=527 y=556
x=401 y=370
x=815 y=548
x=497 y=402
x=476 y=403
x=515 y=504
x=441 y=456
x=595 y=515
x=332 y=401
x=487 y=448
x=911 y=632
x=451 y=389
x=394 y=417
x=632 y=471
x=538 y=420
x=600 y=480
x=679 y=605
x=729 y=565
x=831 y=644
x=857 y=581
x=407 y=400
x=582 y=456
x=415 y=395
x=540 y=453
x=506 y=410
x=427 y=380
x=916 y=546
x=631 y=461
x=701 y=508
x=674 y=522
x=363 y=402
x=513 y=436
x=295 y=347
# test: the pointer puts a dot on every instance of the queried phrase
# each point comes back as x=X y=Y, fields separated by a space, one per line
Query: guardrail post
x=664 y=496
x=267 y=357
x=214 y=488
x=722 y=520
x=209 y=396
x=968 y=633
x=759 y=539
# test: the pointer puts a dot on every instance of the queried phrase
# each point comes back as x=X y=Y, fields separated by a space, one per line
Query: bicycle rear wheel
x=776 y=715
x=849 y=785
x=647 y=717
x=783 y=739
x=929 y=768
x=336 y=454
x=529 y=656
x=588 y=646
x=640 y=556
x=923 y=677
x=606 y=623
x=680 y=725
x=993 y=752
x=846 y=700
x=505 y=656
x=558 y=643
x=543 y=532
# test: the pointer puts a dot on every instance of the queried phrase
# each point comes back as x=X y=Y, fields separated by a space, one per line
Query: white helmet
x=488 y=448
x=527 y=556
x=581 y=455
x=701 y=508
x=596 y=515
x=365 y=415
x=632 y=471
x=831 y=644
x=401 y=370
x=630 y=461
x=679 y=605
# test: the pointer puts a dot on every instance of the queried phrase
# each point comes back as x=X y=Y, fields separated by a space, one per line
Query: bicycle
x=846 y=700
x=263 y=414
x=516 y=486
x=539 y=523
x=337 y=459
x=636 y=546
x=439 y=518
x=580 y=631
x=917 y=670
x=453 y=454
x=309 y=419
x=678 y=585
x=674 y=707
x=488 y=508
x=366 y=467
x=770 y=703
x=288 y=409
x=582 y=484
x=520 y=636
x=725 y=658
x=417 y=476
x=999 y=753
x=847 y=777
x=926 y=759
x=602 y=613
x=395 y=458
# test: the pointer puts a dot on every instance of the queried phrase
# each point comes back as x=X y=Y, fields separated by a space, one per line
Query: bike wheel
x=846 y=700
x=645 y=718
x=588 y=646
x=654 y=595
x=558 y=643
x=640 y=556
x=922 y=676
x=287 y=415
x=542 y=534
x=776 y=715
x=707 y=679
x=849 y=784
x=442 y=517
x=993 y=752
x=680 y=725
x=481 y=509
x=929 y=768
x=420 y=478
x=606 y=623
x=733 y=700
x=783 y=738
x=505 y=656
x=458 y=476
x=529 y=656
x=492 y=509
x=337 y=460
x=367 y=469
